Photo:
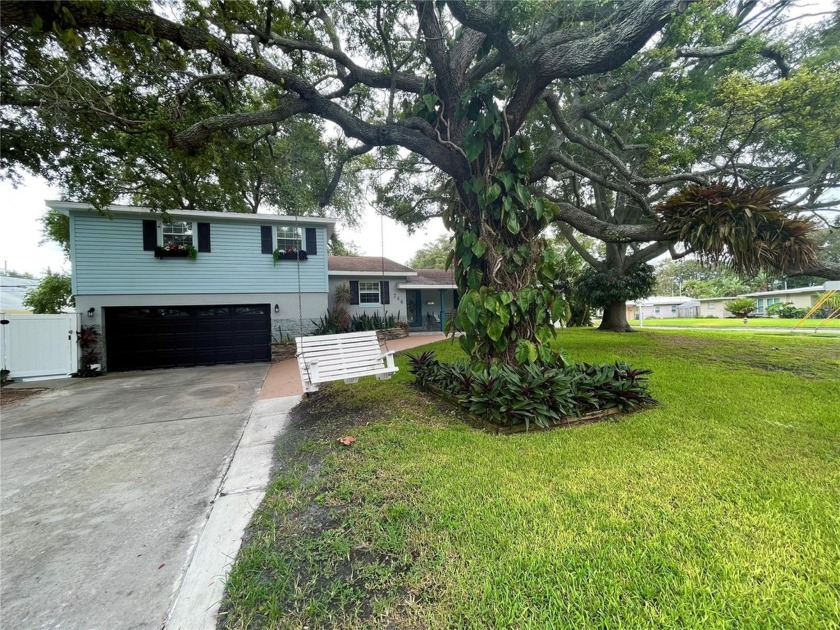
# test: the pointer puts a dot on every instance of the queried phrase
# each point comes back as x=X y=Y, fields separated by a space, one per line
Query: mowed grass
x=718 y=509
x=730 y=322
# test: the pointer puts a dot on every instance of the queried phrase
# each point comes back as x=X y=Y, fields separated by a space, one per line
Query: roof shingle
x=366 y=264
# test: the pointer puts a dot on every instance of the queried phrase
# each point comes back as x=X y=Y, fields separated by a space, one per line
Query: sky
x=22 y=249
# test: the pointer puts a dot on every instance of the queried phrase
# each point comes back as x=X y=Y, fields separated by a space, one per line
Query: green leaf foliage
x=528 y=394
x=52 y=296
x=602 y=288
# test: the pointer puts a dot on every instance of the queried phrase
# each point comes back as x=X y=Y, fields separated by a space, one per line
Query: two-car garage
x=140 y=338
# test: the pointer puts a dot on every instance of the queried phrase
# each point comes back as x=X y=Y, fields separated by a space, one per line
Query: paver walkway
x=284 y=378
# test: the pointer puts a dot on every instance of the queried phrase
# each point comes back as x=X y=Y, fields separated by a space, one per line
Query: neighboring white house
x=656 y=306
x=666 y=307
x=804 y=297
x=12 y=292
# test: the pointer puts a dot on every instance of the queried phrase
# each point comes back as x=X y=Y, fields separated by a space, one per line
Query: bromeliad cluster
x=509 y=396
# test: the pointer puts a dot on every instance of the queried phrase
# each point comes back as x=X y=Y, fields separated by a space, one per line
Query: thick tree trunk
x=615 y=318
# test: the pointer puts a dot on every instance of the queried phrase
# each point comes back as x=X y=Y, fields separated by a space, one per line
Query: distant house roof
x=658 y=300
x=12 y=292
x=367 y=265
x=431 y=279
x=816 y=289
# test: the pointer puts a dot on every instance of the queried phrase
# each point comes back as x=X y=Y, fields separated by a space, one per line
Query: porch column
x=442 y=308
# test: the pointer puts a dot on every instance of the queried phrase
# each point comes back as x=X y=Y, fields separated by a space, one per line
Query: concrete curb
x=240 y=493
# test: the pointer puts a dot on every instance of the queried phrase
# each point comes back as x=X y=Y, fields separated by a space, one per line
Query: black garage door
x=141 y=338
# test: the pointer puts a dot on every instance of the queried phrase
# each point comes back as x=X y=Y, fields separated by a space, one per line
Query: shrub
x=509 y=396
x=740 y=307
x=336 y=322
x=783 y=310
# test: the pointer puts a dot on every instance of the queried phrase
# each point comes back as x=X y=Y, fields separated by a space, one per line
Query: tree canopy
x=502 y=117
x=433 y=255
x=53 y=295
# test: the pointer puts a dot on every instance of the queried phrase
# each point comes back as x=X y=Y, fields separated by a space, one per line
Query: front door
x=413 y=308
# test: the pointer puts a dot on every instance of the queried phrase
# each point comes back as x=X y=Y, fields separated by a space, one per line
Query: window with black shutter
x=204 y=237
x=354 y=292
x=266 y=239
x=311 y=242
x=150 y=239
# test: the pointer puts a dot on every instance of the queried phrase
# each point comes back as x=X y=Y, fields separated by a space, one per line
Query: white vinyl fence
x=39 y=346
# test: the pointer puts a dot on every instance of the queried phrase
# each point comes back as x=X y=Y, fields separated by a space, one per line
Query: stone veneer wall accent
x=285 y=329
x=392 y=333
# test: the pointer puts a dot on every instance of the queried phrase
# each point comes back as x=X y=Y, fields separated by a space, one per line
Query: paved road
x=105 y=484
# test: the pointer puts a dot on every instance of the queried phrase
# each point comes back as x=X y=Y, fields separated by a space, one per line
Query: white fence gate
x=39 y=346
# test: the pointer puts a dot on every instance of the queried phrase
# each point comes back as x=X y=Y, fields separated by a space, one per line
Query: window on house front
x=177 y=233
x=674 y=309
x=369 y=293
x=288 y=239
x=656 y=310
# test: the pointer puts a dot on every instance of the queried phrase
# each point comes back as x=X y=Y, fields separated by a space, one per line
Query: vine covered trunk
x=504 y=271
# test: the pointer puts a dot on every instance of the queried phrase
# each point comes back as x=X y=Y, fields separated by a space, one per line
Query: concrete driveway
x=105 y=485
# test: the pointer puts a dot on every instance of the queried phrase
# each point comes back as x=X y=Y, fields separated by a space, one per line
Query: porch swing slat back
x=345 y=357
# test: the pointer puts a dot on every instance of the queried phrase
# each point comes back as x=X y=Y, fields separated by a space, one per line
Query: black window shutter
x=204 y=237
x=354 y=292
x=311 y=242
x=265 y=236
x=385 y=295
x=149 y=235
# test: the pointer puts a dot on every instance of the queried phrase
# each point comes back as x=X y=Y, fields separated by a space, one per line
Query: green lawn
x=755 y=322
x=718 y=509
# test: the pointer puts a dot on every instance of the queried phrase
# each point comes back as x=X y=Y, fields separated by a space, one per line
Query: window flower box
x=176 y=251
x=289 y=255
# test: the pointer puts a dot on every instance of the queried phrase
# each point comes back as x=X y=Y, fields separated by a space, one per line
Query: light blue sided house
x=198 y=288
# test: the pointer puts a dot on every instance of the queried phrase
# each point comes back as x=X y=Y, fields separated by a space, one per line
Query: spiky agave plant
x=748 y=229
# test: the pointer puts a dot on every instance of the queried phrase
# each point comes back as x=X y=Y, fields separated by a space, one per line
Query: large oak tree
x=454 y=93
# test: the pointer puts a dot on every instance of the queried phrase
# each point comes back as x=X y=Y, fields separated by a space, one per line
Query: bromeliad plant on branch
x=748 y=229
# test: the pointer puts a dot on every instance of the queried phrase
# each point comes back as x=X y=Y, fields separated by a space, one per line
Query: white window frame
x=276 y=233
x=193 y=229
x=369 y=291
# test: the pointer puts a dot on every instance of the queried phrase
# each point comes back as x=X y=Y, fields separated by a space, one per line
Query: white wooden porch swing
x=346 y=356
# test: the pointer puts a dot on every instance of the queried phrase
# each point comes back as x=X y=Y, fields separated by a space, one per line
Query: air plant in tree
x=748 y=229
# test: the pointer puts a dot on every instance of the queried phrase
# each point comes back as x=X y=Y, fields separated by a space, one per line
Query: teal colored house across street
x=201 y=288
